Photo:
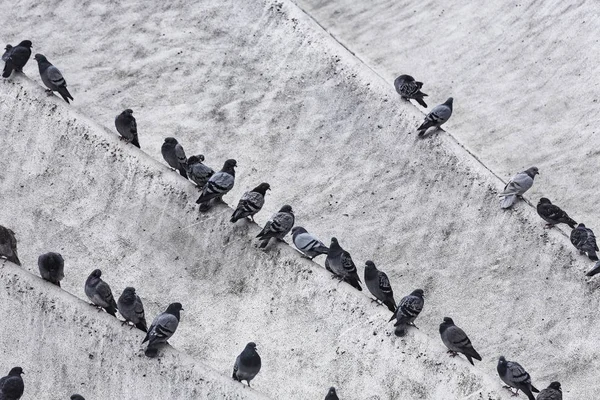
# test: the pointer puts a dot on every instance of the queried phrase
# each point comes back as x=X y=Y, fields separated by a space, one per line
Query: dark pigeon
x=552 y=392
x=247 y=364
x=332 y=395
x=162 y=328
x=218 y=185
x=250 y=203
x=99 y=293
x=198 y=172
x=77 y=397
x=127 y=127
x=174 y=155
x=584 y=240
x=8 y=245
x=52 y=78
x=408 y=88
x=52 y=267
x=516 y=377
x=278 y=226
x=379 y=285
x=553 y=215
x=437 y=116
x=407 y=311
x=340 y=264
x=308 y=243
x=12 y=386
x=457 y=341
x=16 y=57
x=131 y=308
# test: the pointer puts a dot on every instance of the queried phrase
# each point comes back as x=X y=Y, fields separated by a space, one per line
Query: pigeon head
x=286 y=208
x=129 y=291
x=251 y=345
x=8 y=47
x=129 y=111
x=16 y=371
x=502 y=360
x=334 y=243
x=171 y=140
x=532 y=172
x=262 y=188
x=77 y=397
x=405 y=78
x=555 y=386
x=196 y=159
x=544 y=200
x=418 y=293
x=96 y=273
x=25 y=43
x=231 y=163
x=174 y=309
x=40 y=58
x=581 y=225
x=448 y=320
x=332 y=390
x=370 y=265
x=449 y=102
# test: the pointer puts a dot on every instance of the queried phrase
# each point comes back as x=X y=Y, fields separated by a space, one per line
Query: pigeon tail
x=8 y=68
x=594 y=270
x=420 y=101
x=15 y=260
x=111 y=310
x=470 y=359
x=135 y=142
x=182 y=172
x=571 y=223
x=533 y=389
x=528 y=393
x=508 y=201
x=57 y=283
x=390 y=305
x=142 y=326
x=64 y=93
x=591 y=254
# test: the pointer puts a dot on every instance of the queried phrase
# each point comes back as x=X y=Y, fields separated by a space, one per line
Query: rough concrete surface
x=423 y=210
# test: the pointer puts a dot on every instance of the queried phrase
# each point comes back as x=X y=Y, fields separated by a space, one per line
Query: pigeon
x=127 y=127
x=553 y=214
x=218 y=185
x=99 y=293
x=16 y=57
x=174 y=155
x=517 y=186
x=52 y=78
x=340 y=264
x=52 y=267
x=12 y=386
x=407 y=311
x=250 y=203
x=379 y=285
x=247 y=364
x=278 y=226
x=408 y=88
x=552 y=392
x=307 y=243
x=198 y=172
x=131 y=308
x=515 y=376
x=162 y=328
x=457 y=341
x=584 y=240
x=77 y=397
x=8 y=245
x=595 y=270
x=332 y=395
x=437 y=116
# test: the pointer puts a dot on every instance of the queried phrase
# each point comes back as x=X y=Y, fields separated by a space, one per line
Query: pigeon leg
x=49 y=92
x=549 y=226
x=452 y=353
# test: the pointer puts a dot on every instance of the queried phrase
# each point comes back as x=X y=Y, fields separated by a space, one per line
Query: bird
x=437 y=116
x=340 y=264
x=131 y=308
x=247 y=364
x=52 y=78
x=162 y=328
x=515 y=376
x=552 y=392
x=584 y=240
x=595 y=270
x=174 y=155
x=8 y=245
x=77 y=397
x=12 y=385
x=517 y=186
x=218 y=185
x=278 y=226
x=127 y=127
x=16 y=57
x=553 y=215
x=99 y=293
x=379 y=285
x=52 y=267
x=308 y=243
x=457 y=341
x=332 y=395
x=198 y=172
x=250 y=203
x=407 y=311
x=408 y=88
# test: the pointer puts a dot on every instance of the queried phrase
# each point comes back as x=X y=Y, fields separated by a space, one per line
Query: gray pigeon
x=131 y=308
x=174 y=155
x=408 y=88
x=407 y=311
x=162 y=328
x=12 y=386
x=595 y=270
x=278 y=226
x=340 y=264
x=99 y=293
x=379 y=285
x=437 y=116
x=127 y=127
x=307 y=243
x=584 y=240
x=16 y=57
x=517 y=186
x=515 y=376
x=332 y=395
x=198 y=172
x=552 y=392
x=247 y=364
x=8 y=245
x=52 y=267
x=52 y=78
x=218 y=185
x=457 y=341
x=251 y=203
x=553 y=215
x=77 y=397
